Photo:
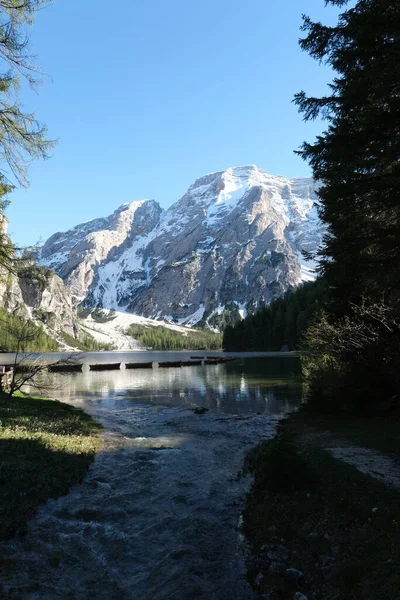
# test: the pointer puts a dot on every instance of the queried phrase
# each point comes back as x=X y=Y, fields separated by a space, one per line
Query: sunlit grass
x=45 y=447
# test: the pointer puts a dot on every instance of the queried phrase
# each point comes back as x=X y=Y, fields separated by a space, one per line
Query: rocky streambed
x=156 y=518
x=158 y=515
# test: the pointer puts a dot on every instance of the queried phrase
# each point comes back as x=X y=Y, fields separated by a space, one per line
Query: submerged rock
x=200 y=410
x=328 y=572
x=327 y=564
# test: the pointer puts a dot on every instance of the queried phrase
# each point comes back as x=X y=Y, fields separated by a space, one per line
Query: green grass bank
x=45 y=447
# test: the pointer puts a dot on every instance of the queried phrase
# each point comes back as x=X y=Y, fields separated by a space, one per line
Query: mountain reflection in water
x=245 y=386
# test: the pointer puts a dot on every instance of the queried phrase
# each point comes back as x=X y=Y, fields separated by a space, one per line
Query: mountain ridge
x=233 y=239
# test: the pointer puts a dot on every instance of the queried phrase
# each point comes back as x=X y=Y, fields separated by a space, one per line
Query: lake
x=157 y=517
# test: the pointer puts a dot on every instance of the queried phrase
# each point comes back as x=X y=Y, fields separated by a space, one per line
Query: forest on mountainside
x=280 y=325
x=164 y=338
x=16 y=334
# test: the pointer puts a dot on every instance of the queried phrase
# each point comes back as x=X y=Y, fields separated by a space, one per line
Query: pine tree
x=290 y=333
x=278 y=326
x=353 y=350
x=357 y=158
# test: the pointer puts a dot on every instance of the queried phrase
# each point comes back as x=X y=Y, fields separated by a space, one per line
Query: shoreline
x=163 y=446
x=47 y=446
x=318 y=527
x=164 y=476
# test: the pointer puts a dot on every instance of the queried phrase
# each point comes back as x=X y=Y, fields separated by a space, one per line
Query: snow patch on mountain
x=236 y=236
x=115 y=330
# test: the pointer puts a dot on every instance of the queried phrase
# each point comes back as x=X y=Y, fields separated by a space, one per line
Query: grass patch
x=346 y=550
x=45 y=447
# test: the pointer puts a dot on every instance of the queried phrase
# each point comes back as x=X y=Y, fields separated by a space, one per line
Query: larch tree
x=22 y=137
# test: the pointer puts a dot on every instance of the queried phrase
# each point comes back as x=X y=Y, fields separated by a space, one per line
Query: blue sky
x=147 y=95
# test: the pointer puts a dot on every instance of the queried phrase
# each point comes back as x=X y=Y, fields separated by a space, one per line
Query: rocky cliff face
x=49 y=301
x=45 y=299
x=233 y=240
x=76 y=254
x=38 y=294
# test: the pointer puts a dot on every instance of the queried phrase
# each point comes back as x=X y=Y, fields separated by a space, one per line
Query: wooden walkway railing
x=6 y=376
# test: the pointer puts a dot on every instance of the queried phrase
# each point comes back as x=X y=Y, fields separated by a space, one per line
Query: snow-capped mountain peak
x=233 y=240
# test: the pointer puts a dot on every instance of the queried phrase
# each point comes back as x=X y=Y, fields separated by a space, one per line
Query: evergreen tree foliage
x=279 y=325
x=357 y=158
x=163 y=338
x=353 y=352
x=18 y=334
x=86 y=342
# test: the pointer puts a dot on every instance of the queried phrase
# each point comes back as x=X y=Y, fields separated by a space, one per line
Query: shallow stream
x=157 y=517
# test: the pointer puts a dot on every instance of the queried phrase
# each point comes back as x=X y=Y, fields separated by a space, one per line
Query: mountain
x=231 y=243
x=38 y=295
x=76 y=254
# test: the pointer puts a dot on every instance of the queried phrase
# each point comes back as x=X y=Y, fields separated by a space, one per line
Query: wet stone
x=299 y=596
x=294 y=575
x=272 y=529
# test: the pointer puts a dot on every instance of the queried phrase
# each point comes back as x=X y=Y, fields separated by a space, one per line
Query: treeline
x=163 y=338
x=280 y=325
x=19 y=335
